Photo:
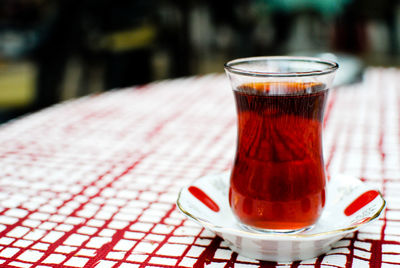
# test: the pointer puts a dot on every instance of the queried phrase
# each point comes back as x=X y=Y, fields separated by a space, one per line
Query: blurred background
x=54 y=50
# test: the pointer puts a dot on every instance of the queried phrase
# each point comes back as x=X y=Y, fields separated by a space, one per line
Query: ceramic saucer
x=350 y=204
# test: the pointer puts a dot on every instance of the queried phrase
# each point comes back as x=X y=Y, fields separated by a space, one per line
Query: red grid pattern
x=93 y=182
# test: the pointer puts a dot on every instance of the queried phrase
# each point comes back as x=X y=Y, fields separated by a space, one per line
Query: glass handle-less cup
x=278 y=178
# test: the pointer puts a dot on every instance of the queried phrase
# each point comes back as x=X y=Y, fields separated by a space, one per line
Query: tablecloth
x=93 y=182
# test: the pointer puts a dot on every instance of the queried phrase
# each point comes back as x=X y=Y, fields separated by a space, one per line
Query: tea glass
x=278 y=181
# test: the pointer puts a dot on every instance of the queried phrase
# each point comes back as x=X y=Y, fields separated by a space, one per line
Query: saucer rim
x=223 y=229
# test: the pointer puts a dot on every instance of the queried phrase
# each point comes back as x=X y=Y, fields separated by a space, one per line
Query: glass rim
x=331 y=66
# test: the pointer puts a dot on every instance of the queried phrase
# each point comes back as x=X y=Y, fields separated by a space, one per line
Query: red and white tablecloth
x=93 y=182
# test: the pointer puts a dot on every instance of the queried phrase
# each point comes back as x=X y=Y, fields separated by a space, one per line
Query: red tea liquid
x=278 y=177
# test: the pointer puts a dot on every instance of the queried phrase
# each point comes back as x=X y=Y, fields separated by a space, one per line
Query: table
x=93 y=182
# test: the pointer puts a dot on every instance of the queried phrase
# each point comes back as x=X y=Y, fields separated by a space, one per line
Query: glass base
x=274 y=231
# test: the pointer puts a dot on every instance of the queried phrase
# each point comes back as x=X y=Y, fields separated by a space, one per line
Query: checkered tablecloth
x=93 y=182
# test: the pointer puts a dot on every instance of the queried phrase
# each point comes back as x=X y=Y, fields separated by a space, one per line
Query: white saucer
x=346 y=195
